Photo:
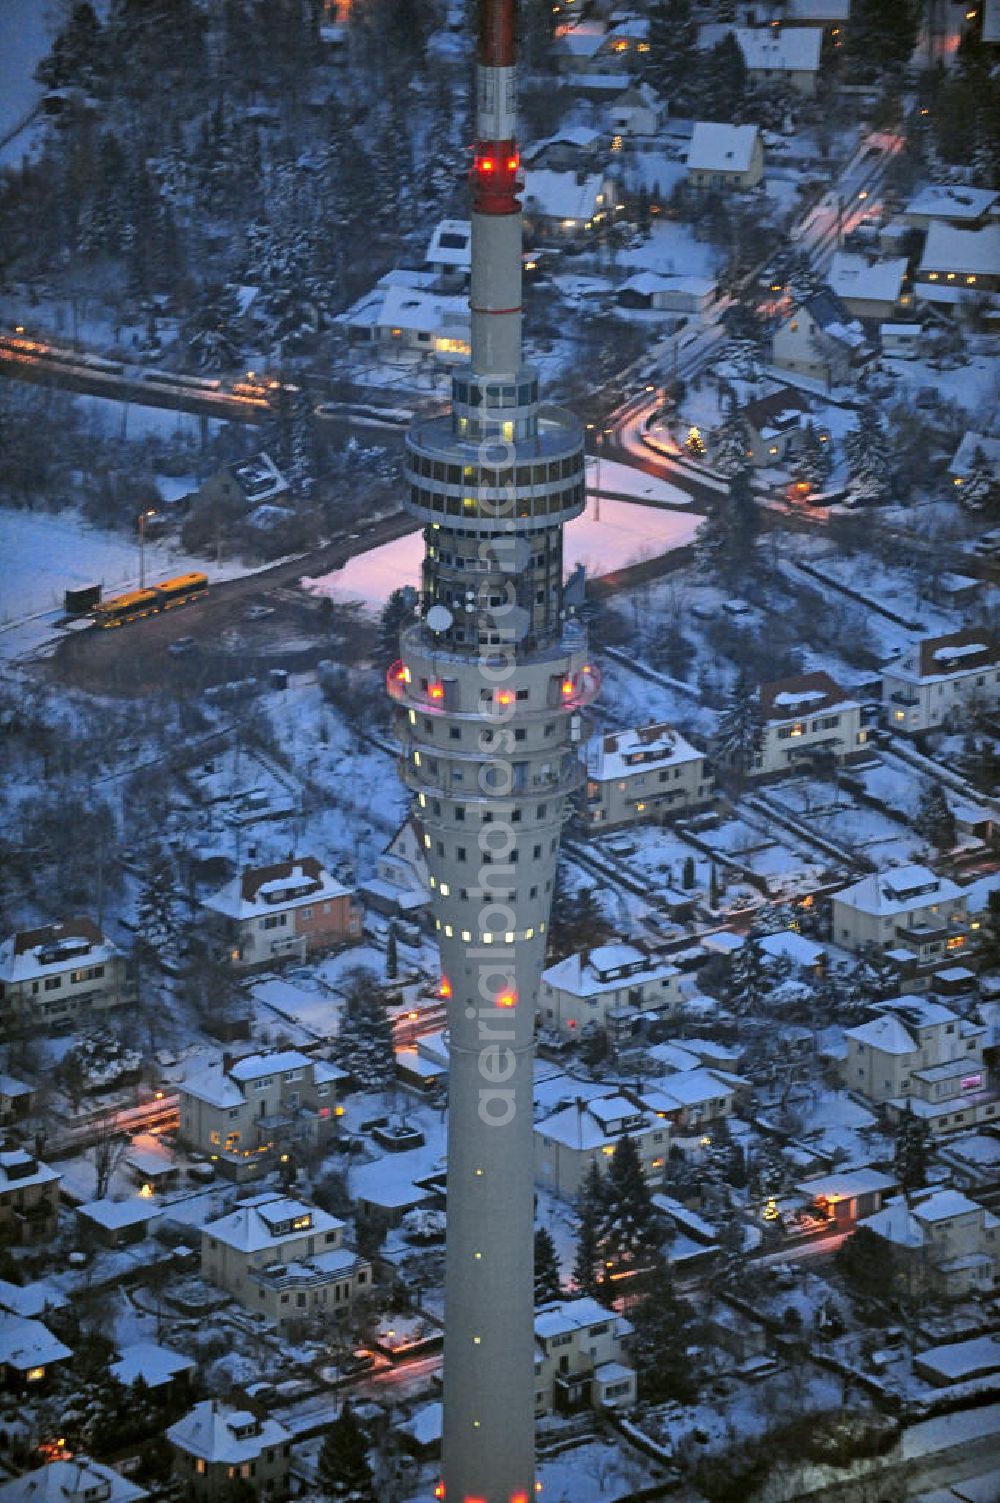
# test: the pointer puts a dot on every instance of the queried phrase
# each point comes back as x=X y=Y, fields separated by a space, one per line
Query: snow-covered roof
x=690 y=1088
x=567 y=1315
x=618 y=754
x=791 y=946
x=965 y=252
x=117 y=1215
x=607 y=968
x=646 y=283
x=259 y=478
x=822 y=12
x=296 y=883
x=217 y=1433
x=874 y=281
x=451 y=244
x=267 y=1221
x=155 y=1365
x=258 y=1066
x=561 y=195
x=78 y=1481
x=919 y=1011
x=12 y=1089
x=583 y=40
x=577 y=1127
x=721 y=148
x=805 y=694
x=33 y=953
x=786 y=49
x=897 y=1224
x=845 y=1184
x=28 y=1343
x=942 y=1205
x=901 y=889
x=957 y=1360
x=584 y=137
x=957 y=653
x=963 y=460
x=30 y=1300
x=952 y=201
x=19 y=1169
x=213 y=1086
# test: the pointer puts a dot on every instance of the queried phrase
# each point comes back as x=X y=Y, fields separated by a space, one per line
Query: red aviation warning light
x=507 y=998
x=444 y=990
x=439 y=1490
x=493 y=178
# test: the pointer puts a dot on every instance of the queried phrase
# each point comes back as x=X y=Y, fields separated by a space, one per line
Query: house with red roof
x=285 y=911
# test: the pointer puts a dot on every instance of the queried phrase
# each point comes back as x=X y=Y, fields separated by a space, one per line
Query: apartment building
x=580 y=1358
x=285 y=911
x=29 y=1198
x=242 y=1112
x=613 y=986
x=806 y=719
x=216 y=1447
x=640 y=775
x=936 y=682
x=947 y=1243
x=573 y=1137
x=907 y=907
x=60 y=977
x=283 y=1259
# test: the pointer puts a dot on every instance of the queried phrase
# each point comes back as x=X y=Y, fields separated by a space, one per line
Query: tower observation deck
x=489 y=689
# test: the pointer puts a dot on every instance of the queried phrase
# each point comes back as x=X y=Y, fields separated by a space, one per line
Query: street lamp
x=151 y=512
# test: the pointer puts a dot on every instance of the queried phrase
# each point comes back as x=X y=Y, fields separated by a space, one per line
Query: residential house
x=954 y=204
x=216 y=1446
x=251 y=482
x=243 y=1112
x=284 y=911
x=28 y=1352
x=162 y=1370
x=869 y=289
x=773 y=54
x=917 y=1055
x=400 y=887
x=693 y=1102
x=573 y=148
x=806 y=720
x=975 y=451
x=60 y=976
x=640 y=775
x=637 y=111
x=79 y=1480
x=17 y=1100
x=667 y=294
x=283 y=1259
x=613 y=987
x=29 y=1198
x=775 y=424
x=957 y=263
x=905 y=905
x=725 y=156
x=566 y=204
x=580 y=1358
x=404 y=317
x=590 y=50
x=946 y=1244
x=449 y=252
x=820 y=340
x=573 y=1137
x=118 y=1223
x=902 y=341
x=844 y=1196
x=936 y=681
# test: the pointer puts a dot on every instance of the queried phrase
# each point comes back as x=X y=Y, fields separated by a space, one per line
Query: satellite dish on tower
x=439 y=618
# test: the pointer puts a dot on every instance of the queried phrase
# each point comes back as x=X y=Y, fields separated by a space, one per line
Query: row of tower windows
x=487 y=858
x=523 y=504
x=486 y=816
x=481 y=736
x=495 y=479
x=510 y=937
x=509 y=894
x=491 y=394
x=483 y=565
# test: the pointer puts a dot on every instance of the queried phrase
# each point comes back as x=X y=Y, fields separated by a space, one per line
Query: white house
x=287 y=910
x=77 y=1481
x=947 y=1243
x=563 y=204
x=773 y=54
x=404 y=316
x=284 y=1259
x=642 y=774
x=908 y=906
x=901 y=1052
x=401 y=884
x=216 y=1446
x=449 y=251
x=580 y=1358
x=952 y=203
x=725 y=156
x=242 y=1112
x=667 y=294
x=692 y=1101
x=806 y=719
x=958 y=263
x=571 y=1138
x=612 y=986
x=61 y=974
x=869 y=289
x=638 y=111
x=820 y=339
x=934 y=682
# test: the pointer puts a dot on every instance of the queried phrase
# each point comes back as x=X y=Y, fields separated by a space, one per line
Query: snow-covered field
x=46 y=553
x=624 y=534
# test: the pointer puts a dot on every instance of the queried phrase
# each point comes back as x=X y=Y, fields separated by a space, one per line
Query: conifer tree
x=935 y=821
x=669 y=65
x=812 y=462
x=397 y=610
x=547 y=1284
x=391 y=955
x=911 y=1150
x=156 y=916
x=212 y=338
x=730 y=451
x=660 y=1340
x=629 y=1228
x=364 y=1043
x=740 y=730
x=343 y=1472
x=688 y=873
x=866 y=451
x=748 y=979
x=590 y=1205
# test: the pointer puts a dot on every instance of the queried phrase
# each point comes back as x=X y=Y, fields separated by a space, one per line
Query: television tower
x=489 y=688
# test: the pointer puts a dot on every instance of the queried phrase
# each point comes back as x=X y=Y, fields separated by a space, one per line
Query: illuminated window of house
x=794 y=326
x=798 y=729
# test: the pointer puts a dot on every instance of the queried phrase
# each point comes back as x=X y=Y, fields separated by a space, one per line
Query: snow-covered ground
x=25 y=37
x=624 y=534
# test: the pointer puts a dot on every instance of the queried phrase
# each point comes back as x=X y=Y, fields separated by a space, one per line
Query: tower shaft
x=489 y=691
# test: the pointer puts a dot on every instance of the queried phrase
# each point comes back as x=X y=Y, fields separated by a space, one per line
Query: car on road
x=181 y=647
x=260 y=612
x=361 y=1360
